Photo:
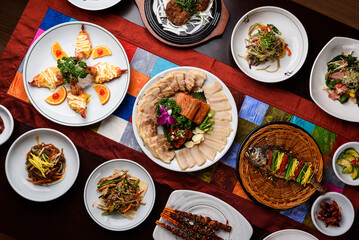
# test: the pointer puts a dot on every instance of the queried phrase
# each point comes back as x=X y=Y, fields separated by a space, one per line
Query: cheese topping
x=82 y=43
x=76 y=102
x=105 y=72
x=49 y=78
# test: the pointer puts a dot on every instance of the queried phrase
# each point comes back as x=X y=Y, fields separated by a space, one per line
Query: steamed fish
x=282 y=165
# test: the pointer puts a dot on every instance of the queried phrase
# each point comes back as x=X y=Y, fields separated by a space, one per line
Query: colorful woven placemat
x=148 y=57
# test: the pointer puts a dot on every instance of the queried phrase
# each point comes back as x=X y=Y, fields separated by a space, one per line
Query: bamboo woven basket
x=279 y=194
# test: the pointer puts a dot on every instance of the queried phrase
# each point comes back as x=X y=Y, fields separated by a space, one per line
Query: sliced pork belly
x=222 y=124
x=189 y=80
x=217 y=97
x=197 y=155
x=181 y=160
x=201 y=113
x=221 y=106
x=155 y=91
x=147 y=132
x=220 y=130
x=215 y=145
x=223 y=116
x=168 y=92
x=199 y=79
x=189 y=105
x=190 y=161
x=221 y=139
x=179 y=77
x=142 y=117
x=211 y=89
x=208 y=152
x=146 y=107
x=164 y=153
x=160 y=148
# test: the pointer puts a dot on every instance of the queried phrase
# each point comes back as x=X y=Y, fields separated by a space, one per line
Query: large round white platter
x=209 y=206
x=174 y=165
x=8 y=124
x=116 y=222
x=39 y=57
x=290 y=234
x=293 y=33
x=94 y=4
x=15 y=165
x=348 y=111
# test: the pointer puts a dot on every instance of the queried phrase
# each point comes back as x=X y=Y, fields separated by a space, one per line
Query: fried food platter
x=277 y=193
x=39 y=57
x=173 y=165
x=214 y=27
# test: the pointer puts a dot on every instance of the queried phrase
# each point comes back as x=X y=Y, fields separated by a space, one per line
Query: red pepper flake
x=330 y=214
x=55 y=96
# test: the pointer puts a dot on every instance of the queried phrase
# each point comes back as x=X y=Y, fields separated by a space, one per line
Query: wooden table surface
x=219 y=49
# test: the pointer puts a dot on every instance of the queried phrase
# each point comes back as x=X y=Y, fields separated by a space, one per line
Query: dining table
x=66 y=217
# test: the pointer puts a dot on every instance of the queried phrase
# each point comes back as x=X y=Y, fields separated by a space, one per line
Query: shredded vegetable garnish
x=120 y=192
x=45 y=164
x=194 y=24
x=265 y=44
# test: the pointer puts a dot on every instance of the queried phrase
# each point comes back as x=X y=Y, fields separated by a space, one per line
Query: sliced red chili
x=299 y=167
x=283 y=164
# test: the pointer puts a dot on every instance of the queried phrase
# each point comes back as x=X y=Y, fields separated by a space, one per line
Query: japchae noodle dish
x=265 y=45
x=45 y=164
x=121 y=193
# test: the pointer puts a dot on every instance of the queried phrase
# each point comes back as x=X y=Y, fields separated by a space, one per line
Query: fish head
x=258 y=156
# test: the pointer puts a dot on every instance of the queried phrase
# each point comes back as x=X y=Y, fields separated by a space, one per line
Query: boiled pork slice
x=223 y=116
x=221 y=106
x=211 y=89
x=181 y=160
x=208 y=152
x=197 y=155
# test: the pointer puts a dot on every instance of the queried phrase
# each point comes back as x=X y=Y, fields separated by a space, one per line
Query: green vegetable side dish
x=349 y=160
x=342 y=78
x=188 y=5
x=71 y=67
x=206 y=125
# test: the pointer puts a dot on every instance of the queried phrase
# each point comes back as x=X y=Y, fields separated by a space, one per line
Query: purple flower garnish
x=165 y=117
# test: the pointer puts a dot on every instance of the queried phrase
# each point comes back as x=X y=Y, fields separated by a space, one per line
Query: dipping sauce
x=2 y=125
x=330 y=214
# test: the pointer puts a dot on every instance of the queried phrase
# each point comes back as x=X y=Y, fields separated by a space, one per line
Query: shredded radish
x=195 y=22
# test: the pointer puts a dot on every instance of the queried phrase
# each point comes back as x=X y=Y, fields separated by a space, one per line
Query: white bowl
x=346 y=208
x=293 y=33
x=347 y=111
x=344 y=177
x=8 y=123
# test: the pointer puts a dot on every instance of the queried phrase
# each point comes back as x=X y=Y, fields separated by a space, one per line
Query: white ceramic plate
x=346 y=208
x=174 y=165
x=209 y=206
x=344 y=177
x=39 y=57
x=348 y=111
x=116 y=222
x=94 y=4
x=8 y=124
x=290 y=234
x=15 y=165
x=293 y=33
